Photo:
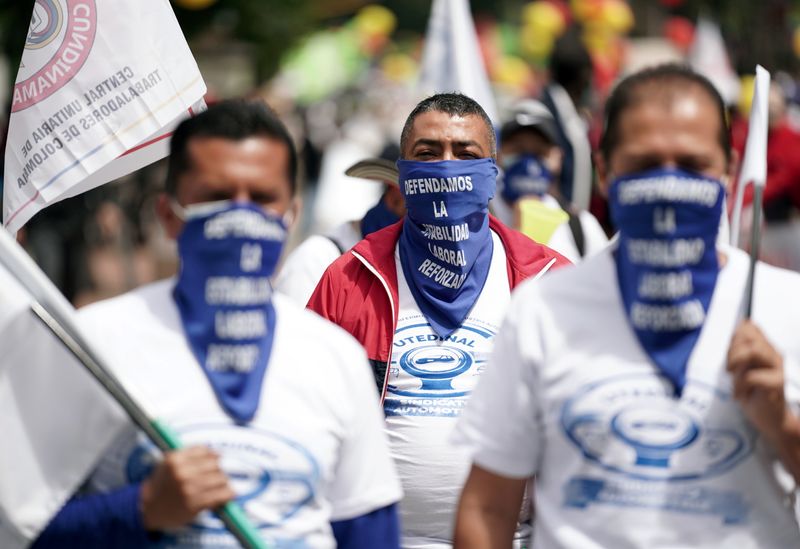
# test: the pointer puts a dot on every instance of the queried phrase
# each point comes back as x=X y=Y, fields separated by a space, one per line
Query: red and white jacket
x=359 y=290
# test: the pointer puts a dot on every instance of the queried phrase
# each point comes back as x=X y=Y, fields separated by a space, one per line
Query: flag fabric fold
x=99 y=88
x=754 y=164
x=56 y=420
x=452 y=60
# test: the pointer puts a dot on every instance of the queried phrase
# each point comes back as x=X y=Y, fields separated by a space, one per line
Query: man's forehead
x=441 y=125
x=677 y=99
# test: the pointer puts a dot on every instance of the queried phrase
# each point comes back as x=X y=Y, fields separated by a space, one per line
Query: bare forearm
x=786 y=442
x=482 y=528
x=488 y=511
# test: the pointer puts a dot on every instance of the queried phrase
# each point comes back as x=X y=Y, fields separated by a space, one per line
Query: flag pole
x=755 y=245
x=754 y=170
x=164 y=438
x=50 y=307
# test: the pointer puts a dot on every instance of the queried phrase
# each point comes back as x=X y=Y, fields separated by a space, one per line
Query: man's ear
x=394 y=201
x=169 y=220
x=292 y=215
x=602 y=173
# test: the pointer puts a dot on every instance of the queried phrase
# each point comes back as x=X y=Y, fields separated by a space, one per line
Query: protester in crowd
x=276 y=405
x=529 y=201
x=566 y=97
x=425 y=297
x=303 y=268
x=649 y=412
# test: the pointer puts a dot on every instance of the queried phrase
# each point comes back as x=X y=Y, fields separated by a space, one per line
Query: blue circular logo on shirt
x=445 y=367
x=273 y=476
x=633 y=425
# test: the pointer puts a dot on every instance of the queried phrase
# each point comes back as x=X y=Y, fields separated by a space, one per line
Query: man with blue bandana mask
x=425 y=297
x=650 y=413
x=275 y=406
x=530 y=200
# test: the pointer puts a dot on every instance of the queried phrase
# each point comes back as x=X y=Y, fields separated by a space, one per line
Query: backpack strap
x=339 y=244
x=574 y=225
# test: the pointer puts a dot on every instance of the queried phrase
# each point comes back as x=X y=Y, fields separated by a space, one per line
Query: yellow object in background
x=539 y=221
x=544 y=17
x=746 y=94
x=375 y=20
x=195 y=4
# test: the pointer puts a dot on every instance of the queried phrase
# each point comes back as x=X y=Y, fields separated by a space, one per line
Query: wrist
x=145 y=505
x=785 y=433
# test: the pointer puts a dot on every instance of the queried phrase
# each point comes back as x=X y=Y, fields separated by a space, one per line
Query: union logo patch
x=59 y=41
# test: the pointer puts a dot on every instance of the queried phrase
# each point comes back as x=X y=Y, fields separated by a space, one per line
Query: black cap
x=531 y=114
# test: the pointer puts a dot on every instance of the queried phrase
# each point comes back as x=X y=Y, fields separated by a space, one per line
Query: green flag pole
x=231 y=514
x=50 y=306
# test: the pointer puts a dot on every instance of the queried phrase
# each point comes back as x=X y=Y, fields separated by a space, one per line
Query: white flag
x=754 y=165
x=709 y=56
x=100 y=86
x=451 y=60
x=55 y=419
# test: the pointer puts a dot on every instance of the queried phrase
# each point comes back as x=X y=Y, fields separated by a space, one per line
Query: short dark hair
x=234 y=119
x=669 y=78
x=570 y=63
x=454 y=104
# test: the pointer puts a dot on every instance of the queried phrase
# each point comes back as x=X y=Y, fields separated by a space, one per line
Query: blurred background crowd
x=343 y=75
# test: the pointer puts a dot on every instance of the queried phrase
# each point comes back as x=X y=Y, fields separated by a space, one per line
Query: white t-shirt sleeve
x=594 y=236
x=365 y=478
x=563 y=242
x=502 y=424
x=303 y=268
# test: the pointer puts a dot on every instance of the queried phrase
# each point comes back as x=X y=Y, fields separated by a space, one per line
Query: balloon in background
x=399 y=67
x=544 y=17
x=375 y=19
x=513 y=72
x=373 y=25
x=586 y=10
x=194 y=4
x=679 y=31
x=536 y=44
x=796 y=41
x=542 y=23
x=617 y=16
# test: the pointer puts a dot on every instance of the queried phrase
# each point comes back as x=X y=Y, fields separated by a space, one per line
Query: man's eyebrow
x=428 y=142
x=438 y=143
x=468 y=143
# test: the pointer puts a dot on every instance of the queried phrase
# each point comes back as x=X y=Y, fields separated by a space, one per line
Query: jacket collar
x=523 y=255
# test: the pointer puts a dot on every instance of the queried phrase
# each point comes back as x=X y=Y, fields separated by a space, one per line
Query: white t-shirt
x=302 y=269
x=315 y=451
x=619 y=462
x=429 y=383
x=594 y=238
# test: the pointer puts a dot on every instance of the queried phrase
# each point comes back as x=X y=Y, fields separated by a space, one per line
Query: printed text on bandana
x=224 y=297
x=677 y=254
x=445 y=246
x=666 y=260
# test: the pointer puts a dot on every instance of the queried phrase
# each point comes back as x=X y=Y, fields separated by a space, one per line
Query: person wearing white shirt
x=529 y=198
x=650 y=414
x=303 y=267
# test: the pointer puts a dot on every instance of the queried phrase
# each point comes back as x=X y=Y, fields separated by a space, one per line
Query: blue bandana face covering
x=667 y=265
x=446 y=245
x=526 y=175
x=378 y=217
x=223 y=294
